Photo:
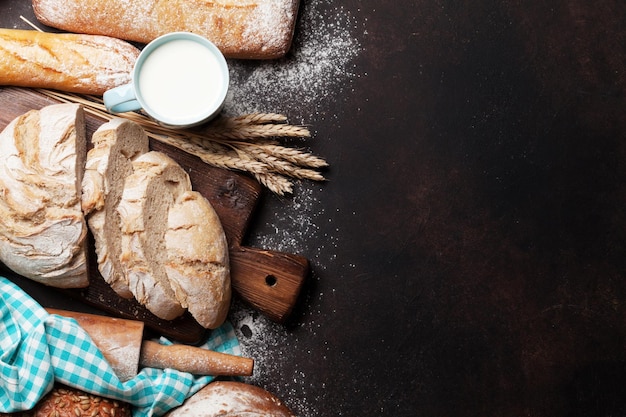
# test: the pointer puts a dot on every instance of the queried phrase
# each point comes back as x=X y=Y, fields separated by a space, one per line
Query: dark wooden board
x=270 y=281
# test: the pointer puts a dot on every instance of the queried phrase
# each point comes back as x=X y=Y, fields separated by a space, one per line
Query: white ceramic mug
x=180 y=80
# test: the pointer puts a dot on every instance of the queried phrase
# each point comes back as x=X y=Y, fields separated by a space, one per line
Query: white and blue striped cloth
x=37 y=348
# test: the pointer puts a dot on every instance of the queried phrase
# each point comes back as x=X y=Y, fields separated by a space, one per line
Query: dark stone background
x=477 y=192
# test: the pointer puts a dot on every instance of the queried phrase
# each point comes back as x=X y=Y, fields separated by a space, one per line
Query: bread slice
x=157 y=181
x=156 y=239
x=42 y=227
x=197 y=259
x=115 y=145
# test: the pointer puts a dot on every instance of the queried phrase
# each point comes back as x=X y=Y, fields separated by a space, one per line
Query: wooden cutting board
x=269 y=281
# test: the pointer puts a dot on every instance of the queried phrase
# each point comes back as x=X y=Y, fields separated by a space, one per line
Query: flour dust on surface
x=318 y=70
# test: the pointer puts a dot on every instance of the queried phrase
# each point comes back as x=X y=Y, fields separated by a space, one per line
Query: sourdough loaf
x=115 y=145
x=42 y=227
x=230 y=398
x=69 y=62
x=256 y=29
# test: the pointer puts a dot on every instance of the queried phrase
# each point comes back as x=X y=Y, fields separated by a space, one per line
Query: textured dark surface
x=477 y=193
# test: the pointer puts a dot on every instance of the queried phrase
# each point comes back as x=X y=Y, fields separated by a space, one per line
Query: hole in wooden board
x=270 y=280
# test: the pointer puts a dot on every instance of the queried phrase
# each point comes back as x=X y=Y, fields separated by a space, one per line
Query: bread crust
x=42 y=227
x=198 y=264
x=252 y=29
x=157 y=240
x=70 y=62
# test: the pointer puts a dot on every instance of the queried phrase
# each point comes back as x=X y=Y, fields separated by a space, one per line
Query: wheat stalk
x=244 y=143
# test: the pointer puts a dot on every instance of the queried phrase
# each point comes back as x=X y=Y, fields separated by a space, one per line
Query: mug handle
x=121 y=99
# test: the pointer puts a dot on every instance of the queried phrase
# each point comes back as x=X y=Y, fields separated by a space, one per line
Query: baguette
x=252 y=29
x=69 y=62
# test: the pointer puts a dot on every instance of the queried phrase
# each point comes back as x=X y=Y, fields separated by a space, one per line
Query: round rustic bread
x=173 y=249
x=230 y=399
x=42 y=227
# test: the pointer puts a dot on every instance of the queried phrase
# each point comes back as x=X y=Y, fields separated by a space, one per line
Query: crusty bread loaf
x=115 y=145
x=42 y=227
x=229 y=398
x=64 y=401
x=148 y=194
x=69 y=62
x=198 y=264
x=256 y=29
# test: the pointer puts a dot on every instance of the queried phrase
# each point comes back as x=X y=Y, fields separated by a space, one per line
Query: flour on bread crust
x=42 y=227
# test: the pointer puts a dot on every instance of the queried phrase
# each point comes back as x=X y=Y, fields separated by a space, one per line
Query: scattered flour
x=269 y=345
x=319 y=67
x=303 y=209
x=319 y=70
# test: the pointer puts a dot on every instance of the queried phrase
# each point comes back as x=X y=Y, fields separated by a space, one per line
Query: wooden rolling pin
x=121 y=342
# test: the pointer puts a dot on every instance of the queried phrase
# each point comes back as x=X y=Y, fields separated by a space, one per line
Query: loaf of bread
x=63 y=401
x=115 y=145
x=253 y=29
x=42 y=227
x=229 y=398
x=69 y=62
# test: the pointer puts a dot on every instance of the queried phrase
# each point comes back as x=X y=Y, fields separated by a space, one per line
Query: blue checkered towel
x=37 y=348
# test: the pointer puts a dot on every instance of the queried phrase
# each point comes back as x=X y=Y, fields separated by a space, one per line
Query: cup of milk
x=180 y=80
